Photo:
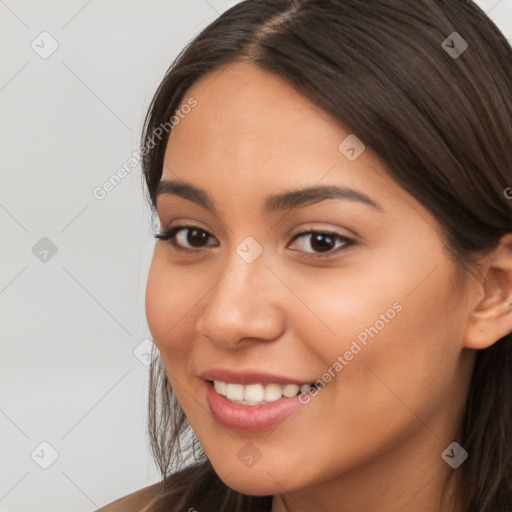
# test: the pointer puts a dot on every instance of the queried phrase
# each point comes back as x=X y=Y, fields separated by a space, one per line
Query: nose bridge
x=245 y=272
x=241 y=303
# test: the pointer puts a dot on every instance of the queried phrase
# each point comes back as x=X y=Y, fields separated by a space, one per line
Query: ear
x=491 y=315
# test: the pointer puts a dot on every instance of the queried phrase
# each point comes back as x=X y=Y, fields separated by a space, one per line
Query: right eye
x=186 y=238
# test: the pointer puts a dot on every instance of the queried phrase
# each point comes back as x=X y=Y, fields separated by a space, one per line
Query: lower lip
x=249 y=418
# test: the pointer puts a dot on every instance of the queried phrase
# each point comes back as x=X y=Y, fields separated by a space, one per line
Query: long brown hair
x=443 y=125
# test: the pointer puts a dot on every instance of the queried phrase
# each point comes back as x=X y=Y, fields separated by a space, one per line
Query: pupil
x=196 y=237
x=322 y=242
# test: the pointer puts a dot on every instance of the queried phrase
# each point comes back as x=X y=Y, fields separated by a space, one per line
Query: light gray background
x=72 y=364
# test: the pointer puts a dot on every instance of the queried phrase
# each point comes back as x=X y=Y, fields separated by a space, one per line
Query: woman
x=331 y=288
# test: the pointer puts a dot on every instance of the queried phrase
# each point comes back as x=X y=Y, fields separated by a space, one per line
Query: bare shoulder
x=133 y=502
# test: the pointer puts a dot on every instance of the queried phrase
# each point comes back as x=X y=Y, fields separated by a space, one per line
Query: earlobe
x=491 y=317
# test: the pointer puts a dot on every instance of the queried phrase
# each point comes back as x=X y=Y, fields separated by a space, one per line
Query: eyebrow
x=274 y=203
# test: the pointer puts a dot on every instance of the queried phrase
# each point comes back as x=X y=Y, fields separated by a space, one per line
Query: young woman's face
x=363 y=300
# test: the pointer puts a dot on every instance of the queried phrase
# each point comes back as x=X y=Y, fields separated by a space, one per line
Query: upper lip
x=249 y=377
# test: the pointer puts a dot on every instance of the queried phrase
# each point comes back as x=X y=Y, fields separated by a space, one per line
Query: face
x=349 y=287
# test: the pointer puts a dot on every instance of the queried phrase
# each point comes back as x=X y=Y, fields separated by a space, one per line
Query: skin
x=383 y=421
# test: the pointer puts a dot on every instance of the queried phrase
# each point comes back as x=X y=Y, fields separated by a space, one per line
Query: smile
x=246 y=415
x=257 y=394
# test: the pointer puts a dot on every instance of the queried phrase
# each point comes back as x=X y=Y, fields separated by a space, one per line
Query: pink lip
x=249 y=377
x=249 y=418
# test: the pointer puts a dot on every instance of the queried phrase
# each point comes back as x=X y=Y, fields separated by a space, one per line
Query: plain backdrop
x=76 y=78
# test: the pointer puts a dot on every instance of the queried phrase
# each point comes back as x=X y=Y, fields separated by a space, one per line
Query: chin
x=254 y=488
x=259 y=482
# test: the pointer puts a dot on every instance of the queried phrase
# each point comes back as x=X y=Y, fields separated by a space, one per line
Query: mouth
x=258 y=394
x=253 y=407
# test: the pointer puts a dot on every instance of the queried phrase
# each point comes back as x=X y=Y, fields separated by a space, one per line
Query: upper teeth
x=253 y=394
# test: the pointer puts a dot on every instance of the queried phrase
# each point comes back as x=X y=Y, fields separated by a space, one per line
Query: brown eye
x=186 y=237
x=196 y=237
x=322 y=242
x=317 y=242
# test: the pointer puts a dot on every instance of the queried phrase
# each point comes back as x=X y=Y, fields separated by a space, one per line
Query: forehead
x=251 y=134
x=251 y=119
x=258 y=106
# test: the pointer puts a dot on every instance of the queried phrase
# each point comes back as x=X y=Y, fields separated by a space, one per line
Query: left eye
x=315 y=242
x=185 y=237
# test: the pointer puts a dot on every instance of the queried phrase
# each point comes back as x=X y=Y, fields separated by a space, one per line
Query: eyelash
x=169 y=235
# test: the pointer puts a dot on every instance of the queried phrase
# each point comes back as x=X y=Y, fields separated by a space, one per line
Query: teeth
x=272 y=392
x=220 y=387
x=235 y=391
x=290 y=390
x=254 y=394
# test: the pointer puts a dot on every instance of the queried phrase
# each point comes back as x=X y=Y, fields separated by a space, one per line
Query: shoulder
x=180 y=482
x=133 y=502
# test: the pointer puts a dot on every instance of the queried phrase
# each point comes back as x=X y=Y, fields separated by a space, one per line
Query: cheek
x=418 y=352
x=409 y=368
x=332 y=309
x=398 y=328
x=171 y=296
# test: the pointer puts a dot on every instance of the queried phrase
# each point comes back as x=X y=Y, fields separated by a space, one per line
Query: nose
x=243 y=305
